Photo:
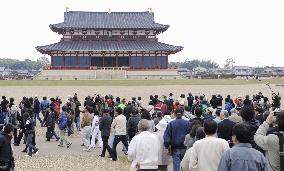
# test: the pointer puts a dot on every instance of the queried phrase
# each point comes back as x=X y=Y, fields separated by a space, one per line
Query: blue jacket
x=243 y=157
x=175 y=133
x=44 y=105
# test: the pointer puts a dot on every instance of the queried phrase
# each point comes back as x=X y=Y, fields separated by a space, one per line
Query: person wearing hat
x=164 y=157
x=209 y=114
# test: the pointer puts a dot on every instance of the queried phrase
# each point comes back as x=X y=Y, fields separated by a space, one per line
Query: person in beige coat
x=206 y=153
x=164 y=158
x=270 y=143
x=199 y=134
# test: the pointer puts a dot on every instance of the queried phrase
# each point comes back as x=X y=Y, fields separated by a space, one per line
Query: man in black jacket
x=6 y=153
x=225 y=127
x=132 y=124
x=50 y=124
x=30 y=133
x=105 y=127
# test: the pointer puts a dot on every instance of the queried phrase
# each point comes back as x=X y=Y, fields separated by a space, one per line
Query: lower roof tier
x=108 y=46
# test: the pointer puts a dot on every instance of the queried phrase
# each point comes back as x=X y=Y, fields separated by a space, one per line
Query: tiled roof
x=109 y=46
x=105 y=20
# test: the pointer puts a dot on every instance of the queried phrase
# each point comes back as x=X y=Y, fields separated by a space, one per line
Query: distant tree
x=229 y=63
x=43 y=61
x=191 y=64
x=27 y=64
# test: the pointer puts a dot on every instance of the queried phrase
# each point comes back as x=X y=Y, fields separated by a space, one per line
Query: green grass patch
x=135 y=82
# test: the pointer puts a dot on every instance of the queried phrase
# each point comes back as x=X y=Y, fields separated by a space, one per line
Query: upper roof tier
x=106 y=20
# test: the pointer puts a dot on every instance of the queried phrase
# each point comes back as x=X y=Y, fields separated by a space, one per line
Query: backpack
x=56 y=107
x=13 y=117
x=63 y=121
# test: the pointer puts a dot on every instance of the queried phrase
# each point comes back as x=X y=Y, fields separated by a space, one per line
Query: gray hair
x=225 y=113
x=143 y=125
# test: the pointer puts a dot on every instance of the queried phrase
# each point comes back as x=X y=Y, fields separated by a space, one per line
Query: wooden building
x=109 y=39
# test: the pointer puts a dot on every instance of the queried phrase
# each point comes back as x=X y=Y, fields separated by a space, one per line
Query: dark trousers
x=117 y=139
x=130 y=135
x=148 y=169
x=18 y=139
x=105 y=145
x=15 y=134
x=50 y=132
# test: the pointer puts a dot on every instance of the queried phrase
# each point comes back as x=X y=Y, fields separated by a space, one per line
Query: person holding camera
x=6 y=153
x=271 y=143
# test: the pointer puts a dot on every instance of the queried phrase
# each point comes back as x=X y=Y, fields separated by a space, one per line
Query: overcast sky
x=249 y=31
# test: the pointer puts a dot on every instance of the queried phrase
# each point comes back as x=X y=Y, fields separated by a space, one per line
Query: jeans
x=177 y=157
x=6 y=114
x=117 y=139
x=78 y=124
x=30 y=144
x=105 y=145
x=36 y=116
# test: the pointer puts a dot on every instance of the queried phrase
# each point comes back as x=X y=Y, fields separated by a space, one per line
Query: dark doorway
x=109 y=62
x=97 y=61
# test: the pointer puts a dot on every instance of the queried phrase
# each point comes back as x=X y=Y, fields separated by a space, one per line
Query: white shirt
x=144 y=150
x=206 y=153
x=96 y=122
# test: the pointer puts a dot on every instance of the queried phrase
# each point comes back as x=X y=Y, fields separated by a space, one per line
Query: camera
x=277 y=111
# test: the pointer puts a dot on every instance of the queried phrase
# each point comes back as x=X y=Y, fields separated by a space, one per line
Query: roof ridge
x=107 y=12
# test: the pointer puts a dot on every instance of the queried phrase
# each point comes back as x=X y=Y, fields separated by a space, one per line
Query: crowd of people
x=191 y=132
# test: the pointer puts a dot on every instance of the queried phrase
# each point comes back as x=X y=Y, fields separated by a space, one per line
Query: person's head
x=210 y=127
x=105 y=112
x=146 y=115
x=241 y=134
x=8 y=129
x=12 y=100
x=218 y=112
x=227 y=100
x=224 y=114
x=3 y=98
x=265 y=99
x=247 y=112
x=119 y=111
x=143 y=125
x=280 y=121
x=179 y=112
x=198 y=112
x=44 y=98
x=210 y=110
x=151 y=103
x=117 y=99
x=139 y=98
x=96 y=113
x=52 y=99
x=194 y=128
x=258 y=110
x=88 y=109
x=200 y=134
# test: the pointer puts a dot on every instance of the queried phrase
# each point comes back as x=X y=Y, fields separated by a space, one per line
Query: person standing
x=132 y=124
x=4 y=105
x=164 y=157
x=14 y=120
x=36 y=110
x=242 y=156
x=77 y=113
x=105 y=128
x=174 y=137
x=50 y=124
x=207 y=152
x=225 y=127
x=62 y=120
x=119 y=126
x=87 y=128
x=44 y=107
x=139 y=151
x=30 y=133
x=96 y=133
x=6 y=152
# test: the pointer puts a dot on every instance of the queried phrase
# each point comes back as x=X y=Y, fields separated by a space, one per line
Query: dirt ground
x=52 y=157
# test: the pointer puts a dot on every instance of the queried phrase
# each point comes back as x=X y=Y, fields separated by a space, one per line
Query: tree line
x=26 y=64
x=191 y=64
